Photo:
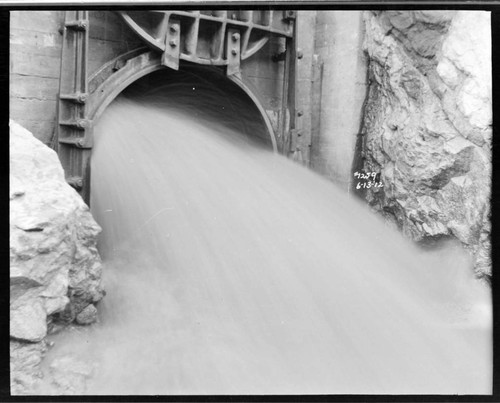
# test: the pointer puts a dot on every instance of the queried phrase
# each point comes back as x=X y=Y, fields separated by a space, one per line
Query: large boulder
x=427 y=124
x=55 y=269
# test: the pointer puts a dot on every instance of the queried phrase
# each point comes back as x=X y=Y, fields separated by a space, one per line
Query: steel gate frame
x=83 y=99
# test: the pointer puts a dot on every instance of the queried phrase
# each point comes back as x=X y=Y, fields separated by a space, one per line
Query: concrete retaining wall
x=35 y=61
x=339 y=37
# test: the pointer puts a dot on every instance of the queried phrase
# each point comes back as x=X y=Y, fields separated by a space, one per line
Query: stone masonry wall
x=427 y=124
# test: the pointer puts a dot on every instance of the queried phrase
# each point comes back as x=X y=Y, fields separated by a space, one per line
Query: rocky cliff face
x=427 y=124
x=55 y=269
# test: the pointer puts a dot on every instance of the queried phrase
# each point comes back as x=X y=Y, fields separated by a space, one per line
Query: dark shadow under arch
x=141 y=67
x=145 y=69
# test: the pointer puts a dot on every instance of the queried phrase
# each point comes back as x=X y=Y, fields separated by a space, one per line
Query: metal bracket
x=233 y=51
x=279 y=57
x=74 y=129
x=83 y=126
x=119 y=64
x=294 y=135
x=78 y=97
x=79 y=124
x=171 y=55
x=289 y=15
x=77 y=25
x=206 y=34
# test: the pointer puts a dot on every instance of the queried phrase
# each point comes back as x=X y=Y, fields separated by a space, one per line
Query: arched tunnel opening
x=194 y=93
x=208 y=94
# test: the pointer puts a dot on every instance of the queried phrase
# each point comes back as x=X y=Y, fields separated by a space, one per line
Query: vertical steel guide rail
x=73 y=131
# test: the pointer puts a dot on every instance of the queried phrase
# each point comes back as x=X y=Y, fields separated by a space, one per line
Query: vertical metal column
x=74 y=129
x=316 y=93
x=170 y=56
x=291 y=150
x=288 y=77
x=233 y=49
x=289 y=136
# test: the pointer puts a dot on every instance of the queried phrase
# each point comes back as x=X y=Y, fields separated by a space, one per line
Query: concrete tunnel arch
x=148 y=63
x=116 y=76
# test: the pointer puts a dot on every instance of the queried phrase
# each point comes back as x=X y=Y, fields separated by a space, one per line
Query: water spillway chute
x=231 y=270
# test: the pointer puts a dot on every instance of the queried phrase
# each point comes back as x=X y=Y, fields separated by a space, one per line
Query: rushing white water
x=231 y=270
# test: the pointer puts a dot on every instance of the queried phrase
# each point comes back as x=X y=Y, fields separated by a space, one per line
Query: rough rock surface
x=25 y=360
x=69 y=375
x=55 y=269
x=427 y=124
x=87 y=316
